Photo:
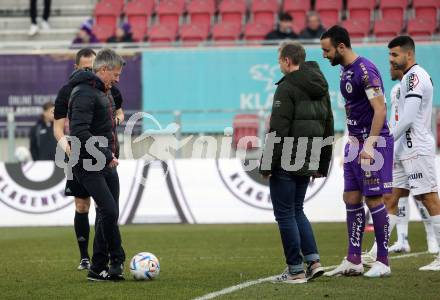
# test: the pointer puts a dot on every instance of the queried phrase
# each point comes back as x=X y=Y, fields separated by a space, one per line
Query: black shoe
x=314 y=270
x=95 y=276
x=115 y=271
x=84 y=264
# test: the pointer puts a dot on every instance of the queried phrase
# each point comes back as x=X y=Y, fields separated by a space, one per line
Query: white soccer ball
x=144 y=266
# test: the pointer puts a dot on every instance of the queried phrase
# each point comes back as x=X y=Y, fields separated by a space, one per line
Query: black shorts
x=75 y=189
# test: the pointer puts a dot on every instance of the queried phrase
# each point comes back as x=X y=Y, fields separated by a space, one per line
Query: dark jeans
x=33 y=10
x=288 y=192
x=103 y=186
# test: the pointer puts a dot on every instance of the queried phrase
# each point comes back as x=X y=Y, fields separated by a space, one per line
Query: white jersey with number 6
x=418 y=139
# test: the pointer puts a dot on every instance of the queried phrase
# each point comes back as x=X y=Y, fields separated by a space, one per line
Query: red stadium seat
x=256 y=31
x=139 y=33
x=393 y=10
x=169 y=12
x=358 y=28
x=226 y=31
x=201 y=11
x=361 y=10
x=138 y=11
x=162 y=33
x=421 y=27
x=329 y=11
x=103 y=32
x=426 y=9
x=245 y=125
x=107 y=13
x=386 y=28
x=264 y=11
x=298 y=10
x=119 y=3
x=194 y=32
x=232 y=11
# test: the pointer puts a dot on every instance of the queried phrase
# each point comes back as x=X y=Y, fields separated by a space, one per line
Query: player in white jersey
x=414 y=146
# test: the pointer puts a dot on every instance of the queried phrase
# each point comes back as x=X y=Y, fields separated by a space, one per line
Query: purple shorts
x=360 y=178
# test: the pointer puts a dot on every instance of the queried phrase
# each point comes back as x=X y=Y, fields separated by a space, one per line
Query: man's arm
x=327 y=151
x=58 y=131
x=33 y=143
x=412 y=106
x=119 y=116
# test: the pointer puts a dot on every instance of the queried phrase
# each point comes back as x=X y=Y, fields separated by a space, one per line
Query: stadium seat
x=245 y=125
x=162 y=33
x=426 y=9
x=139 y=33
x=361 y=10
x=393 y=10
x=169 y=12
x=201 y=11
x=226 y=31
x=264 y=11
x=232 y=11
x=256 y=31
x=107 y=13
x=119 y=3
x=358 y=28
x=103 y=32
x=190 y=33
x=386 y=28
x=329 y=11
x=138 y=11
x=419 y=27
x=298 y=10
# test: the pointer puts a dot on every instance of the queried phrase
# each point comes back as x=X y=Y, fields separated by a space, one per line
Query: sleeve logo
x=412 y=82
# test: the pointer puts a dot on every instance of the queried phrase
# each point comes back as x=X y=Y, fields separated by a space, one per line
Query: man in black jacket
x=298 y=146
x=83 y=61
x=43 y=144
x=92 y=122
x=284 y=29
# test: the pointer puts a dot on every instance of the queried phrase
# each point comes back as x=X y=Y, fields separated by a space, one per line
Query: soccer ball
x=144 y=266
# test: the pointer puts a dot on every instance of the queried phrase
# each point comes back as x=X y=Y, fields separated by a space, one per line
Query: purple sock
x=381 y=228
x=355 y=227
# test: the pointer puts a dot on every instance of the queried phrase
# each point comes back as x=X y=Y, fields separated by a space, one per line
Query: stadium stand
x=298 y=10
x=204 y=20
x=245 y=125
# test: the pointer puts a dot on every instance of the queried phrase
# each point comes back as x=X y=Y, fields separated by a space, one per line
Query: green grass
x=40 y=263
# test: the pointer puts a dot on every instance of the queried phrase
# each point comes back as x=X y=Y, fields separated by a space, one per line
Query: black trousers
x=33 y=9
x=103 y=186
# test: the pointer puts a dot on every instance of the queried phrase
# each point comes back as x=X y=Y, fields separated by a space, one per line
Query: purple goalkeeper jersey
x=356 y=78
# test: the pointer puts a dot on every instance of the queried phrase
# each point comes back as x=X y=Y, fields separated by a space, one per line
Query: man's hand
x=114 y=163
x=316 y=175
x=367 y=155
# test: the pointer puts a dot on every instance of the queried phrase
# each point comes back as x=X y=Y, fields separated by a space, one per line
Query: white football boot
x=378 y=270
x=346 y=268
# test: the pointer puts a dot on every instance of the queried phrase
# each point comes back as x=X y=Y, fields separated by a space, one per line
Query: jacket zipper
x=113 y=125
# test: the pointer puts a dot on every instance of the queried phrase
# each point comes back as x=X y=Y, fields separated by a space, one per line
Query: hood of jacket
x=81 y=76
x=310 y=79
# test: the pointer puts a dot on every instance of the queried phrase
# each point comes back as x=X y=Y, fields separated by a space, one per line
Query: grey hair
x=107 y=58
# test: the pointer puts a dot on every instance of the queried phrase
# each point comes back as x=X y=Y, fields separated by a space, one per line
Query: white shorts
x=415 y=174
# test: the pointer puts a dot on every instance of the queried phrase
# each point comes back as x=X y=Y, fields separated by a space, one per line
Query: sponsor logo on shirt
x=348 y=87
x=387 y=185
x=412 y=82
x=408 y=138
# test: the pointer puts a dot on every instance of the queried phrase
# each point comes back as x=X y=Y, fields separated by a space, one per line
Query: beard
x=337 y=60
x=400 y=65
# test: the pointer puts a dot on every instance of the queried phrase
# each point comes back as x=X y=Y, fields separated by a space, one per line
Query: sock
x=381 y=231
x=82 y=230
x=355 y=228
x=426 y=219
x=402 y=221
x=435 y=220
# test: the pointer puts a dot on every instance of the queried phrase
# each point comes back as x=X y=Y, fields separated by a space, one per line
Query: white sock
x=402 y=221
x=393 y=221
x=435 y=220
x=426 y=219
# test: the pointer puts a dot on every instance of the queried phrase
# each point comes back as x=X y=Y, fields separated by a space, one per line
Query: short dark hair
x=47 y=105
x=404 y=41
x=293 y=50
x=337 y=35
x=285 y=17
x=84 y=52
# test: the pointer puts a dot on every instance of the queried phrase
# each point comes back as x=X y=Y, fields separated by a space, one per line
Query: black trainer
x=115 y=271
x=95 y=276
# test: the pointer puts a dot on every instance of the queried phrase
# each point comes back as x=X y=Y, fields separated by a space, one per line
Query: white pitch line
x=270 y=278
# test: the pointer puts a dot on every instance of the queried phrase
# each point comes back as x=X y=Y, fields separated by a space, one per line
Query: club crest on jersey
x=349 y=87
x=411 y=82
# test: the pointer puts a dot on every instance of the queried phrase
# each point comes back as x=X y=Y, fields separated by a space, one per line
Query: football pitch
x=196 y=260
